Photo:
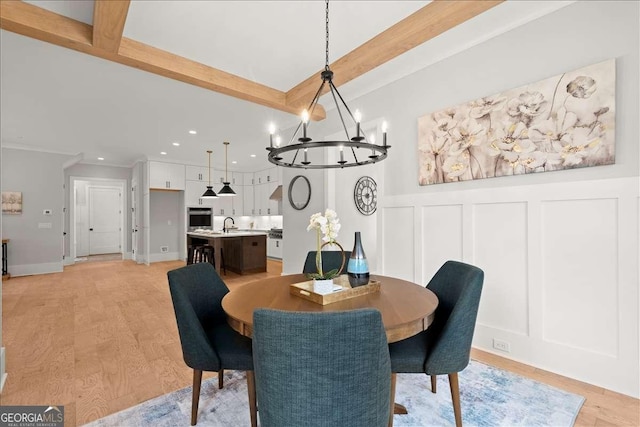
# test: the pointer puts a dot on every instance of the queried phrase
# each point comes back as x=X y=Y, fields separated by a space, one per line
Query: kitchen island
x=245 y=252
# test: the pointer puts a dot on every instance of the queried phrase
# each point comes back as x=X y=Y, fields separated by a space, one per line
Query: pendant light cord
x=226 y=169
x=209 y=151
x=326 y=63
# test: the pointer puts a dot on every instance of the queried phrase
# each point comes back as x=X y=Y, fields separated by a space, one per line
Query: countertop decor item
x=327 y=227
x=209 y=194
x=226 y=189
x=365 y=195
x=340 y=290
x=354 y=150
x=358 y=267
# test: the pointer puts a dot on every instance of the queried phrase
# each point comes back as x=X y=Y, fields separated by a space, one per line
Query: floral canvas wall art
x=11 y=202
x=566 y=121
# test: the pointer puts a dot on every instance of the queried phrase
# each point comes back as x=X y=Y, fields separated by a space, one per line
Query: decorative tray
x=342 y=290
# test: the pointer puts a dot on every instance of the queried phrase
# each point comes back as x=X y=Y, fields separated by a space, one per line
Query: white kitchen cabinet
x=192 y=193
x=223 y=206
x=261 y=199
x=247 y=199
x=238 y=200
x=274 y=248
x=166 y=176
x=197 y=173
x=237 y=178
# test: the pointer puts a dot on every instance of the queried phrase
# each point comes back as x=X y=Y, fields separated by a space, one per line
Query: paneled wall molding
x=561 y=266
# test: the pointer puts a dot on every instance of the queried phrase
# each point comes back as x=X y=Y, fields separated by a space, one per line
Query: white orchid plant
x=327 y=227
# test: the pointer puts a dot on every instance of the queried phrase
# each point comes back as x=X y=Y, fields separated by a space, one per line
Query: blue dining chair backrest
x=458 y=287
x=321 y=369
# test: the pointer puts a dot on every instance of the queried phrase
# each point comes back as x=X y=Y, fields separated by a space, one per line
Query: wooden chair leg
x=197 y=380
x=455 y=397
x=251 y=389
x=221 y=378
x=434 y=379
x=393 y=399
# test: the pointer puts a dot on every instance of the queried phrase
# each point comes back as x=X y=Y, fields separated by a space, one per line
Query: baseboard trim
x=33 y=269
x=169 y=256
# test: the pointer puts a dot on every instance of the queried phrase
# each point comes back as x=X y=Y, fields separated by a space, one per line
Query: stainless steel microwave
x=199 y=217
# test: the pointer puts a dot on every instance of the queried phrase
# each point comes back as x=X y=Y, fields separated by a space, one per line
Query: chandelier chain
x=326 y=63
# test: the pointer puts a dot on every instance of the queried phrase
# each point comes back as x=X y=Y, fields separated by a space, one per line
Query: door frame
x=120 y=183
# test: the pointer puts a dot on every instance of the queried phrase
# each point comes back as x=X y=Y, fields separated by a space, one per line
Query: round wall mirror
x=299 y=192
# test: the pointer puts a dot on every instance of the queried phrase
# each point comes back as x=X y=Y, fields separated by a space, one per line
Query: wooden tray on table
x=342 y=290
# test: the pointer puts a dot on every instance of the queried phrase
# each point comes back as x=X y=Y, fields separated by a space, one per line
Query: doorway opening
x=97 y=223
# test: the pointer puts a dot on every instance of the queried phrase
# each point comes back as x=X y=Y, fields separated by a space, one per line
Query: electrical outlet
x=502 y=345
x=164 y=248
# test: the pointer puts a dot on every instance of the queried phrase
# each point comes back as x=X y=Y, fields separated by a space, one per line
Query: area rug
x=489 y=397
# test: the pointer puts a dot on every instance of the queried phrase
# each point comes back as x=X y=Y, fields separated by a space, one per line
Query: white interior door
x=104 y=220
x=134 y=222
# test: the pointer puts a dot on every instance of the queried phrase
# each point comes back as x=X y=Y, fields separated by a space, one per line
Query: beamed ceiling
x=256 y=61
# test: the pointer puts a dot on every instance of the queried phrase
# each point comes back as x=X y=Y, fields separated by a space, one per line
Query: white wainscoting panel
x=579 y=274
x=561 y=263
x=398 y=259
x=441 y=238
x=500 y=249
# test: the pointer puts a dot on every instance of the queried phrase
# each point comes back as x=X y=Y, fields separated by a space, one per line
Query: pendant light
x=226 y=190
x=209 y=194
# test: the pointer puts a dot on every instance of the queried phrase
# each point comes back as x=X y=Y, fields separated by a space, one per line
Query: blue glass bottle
x=358 y=267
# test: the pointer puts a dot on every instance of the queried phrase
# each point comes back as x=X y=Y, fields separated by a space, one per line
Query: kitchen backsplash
x=245 y=222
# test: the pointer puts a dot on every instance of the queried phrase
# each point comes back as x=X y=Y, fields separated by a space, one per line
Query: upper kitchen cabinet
x=166 y=176
x=192 y=193
x=237 y=178
x=197 y=173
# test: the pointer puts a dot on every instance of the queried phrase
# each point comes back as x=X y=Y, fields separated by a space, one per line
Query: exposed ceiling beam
x=109 y=17
x=428 y=22
x=35 y=22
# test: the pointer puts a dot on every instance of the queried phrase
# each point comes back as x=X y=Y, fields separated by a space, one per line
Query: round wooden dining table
x=407 y=308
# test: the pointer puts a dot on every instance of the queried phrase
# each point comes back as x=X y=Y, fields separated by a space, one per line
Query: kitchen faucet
x=224 y=223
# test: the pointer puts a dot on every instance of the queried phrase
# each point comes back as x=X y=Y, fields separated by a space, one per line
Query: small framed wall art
x=11 y=202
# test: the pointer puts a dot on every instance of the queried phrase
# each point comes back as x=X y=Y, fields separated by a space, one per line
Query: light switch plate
x=47 y=212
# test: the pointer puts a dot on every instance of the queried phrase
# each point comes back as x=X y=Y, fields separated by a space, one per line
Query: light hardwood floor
x=101 y=337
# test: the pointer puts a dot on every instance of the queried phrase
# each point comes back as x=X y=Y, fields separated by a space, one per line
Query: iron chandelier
x=359 y=150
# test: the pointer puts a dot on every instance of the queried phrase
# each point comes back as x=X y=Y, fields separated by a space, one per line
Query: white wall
x=39 y=177
x=560 y=250
x=165 y=209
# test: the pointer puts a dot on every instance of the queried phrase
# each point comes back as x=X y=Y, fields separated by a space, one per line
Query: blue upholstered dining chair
x=208 y=342
x=330 y=260
x=321 y=369
x=444 y=348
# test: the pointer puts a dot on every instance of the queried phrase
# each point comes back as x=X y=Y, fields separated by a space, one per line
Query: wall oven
x=199 y=218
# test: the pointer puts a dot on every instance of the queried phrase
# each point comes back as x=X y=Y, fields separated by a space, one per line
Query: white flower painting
x=566 y=121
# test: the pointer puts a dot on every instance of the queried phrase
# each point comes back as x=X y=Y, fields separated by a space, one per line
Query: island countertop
x=220 y=234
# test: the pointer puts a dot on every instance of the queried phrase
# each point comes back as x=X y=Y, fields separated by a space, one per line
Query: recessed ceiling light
x=100 y=158
x=193 y=132
x=164 y=153
x=177 y=144
x=234 y=162
x=253 y=155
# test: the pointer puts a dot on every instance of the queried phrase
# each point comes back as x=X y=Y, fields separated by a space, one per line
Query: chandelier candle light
x=358 y=145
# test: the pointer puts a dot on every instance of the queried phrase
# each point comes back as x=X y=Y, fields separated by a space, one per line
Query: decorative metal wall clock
x=365 y=195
